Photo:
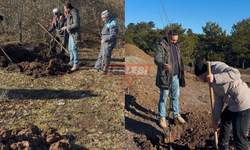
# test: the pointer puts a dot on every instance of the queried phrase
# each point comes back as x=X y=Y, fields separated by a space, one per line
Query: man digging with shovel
x=61 y=36
x=231 y=90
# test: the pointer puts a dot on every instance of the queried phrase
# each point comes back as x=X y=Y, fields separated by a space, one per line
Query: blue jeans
x=73 y=52
x=107 y=57
x=175 y=93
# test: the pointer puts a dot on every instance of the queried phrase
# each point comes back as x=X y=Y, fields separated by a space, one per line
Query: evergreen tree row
x=213 y=44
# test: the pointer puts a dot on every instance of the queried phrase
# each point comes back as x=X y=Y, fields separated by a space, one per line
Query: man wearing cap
x=61 y=36
x=170 y=75
x=108 y=42
x=74 y=29
x=228 y=89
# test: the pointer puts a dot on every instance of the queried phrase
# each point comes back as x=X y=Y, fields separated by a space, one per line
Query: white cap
x=56 y=10
x=105 y=14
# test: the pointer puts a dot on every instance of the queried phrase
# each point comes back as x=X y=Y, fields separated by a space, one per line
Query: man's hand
x=210 y=78
x=45 y=33
x=167 y=67
x=63 y=28
x=61 y=18
x=215 y=126
x=102 y=41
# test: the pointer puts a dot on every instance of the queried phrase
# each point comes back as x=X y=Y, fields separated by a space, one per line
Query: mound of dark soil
x=36 y=63
x=31 y=138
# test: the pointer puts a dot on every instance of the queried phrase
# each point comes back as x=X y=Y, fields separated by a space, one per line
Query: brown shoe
x=94 y=70
x=162 y=123
x=180 y=119
x=75 y=67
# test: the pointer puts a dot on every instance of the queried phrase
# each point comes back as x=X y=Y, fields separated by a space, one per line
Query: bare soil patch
x=36 y=62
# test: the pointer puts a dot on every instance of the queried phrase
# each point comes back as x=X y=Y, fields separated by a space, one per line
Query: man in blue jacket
x=108 y=42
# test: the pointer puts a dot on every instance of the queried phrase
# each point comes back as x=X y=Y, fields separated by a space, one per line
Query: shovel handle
x=212 y=103
x=53 y=37
x=7 y=55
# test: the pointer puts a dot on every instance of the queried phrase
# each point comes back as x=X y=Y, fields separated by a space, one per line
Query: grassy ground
x=92 y=117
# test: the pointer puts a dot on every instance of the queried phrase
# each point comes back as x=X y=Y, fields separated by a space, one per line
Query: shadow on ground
x=138 y=127
x=35 y=94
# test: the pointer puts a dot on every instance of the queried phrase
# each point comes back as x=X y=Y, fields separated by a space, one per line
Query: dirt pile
x=31 y=138
x=35 y=62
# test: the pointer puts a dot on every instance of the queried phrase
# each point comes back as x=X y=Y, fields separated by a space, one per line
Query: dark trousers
x=240 y=122
x=53 y=45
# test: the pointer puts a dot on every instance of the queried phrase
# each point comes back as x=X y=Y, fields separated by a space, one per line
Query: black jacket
x=164 y=56
x=57 y=24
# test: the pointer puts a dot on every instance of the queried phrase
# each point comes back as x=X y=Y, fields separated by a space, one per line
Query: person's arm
x=230 y=74
x=76 y=22
x=53 y=27
x=113 y=32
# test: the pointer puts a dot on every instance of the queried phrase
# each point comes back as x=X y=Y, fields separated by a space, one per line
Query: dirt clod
x=63 y=144
x=28 y=137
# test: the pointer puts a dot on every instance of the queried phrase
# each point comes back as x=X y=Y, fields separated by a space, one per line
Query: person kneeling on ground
x=231 y=90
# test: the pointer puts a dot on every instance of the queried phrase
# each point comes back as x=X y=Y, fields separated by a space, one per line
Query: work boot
x=94 y=70
x=70 y=64
x=102 y=72
x=220 y=146
x=180 y=119
x=75 y=67
x=162 y=123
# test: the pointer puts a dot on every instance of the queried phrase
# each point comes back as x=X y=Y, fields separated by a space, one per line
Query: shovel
x=212 y=104
x=13 y=67
x=53 y=38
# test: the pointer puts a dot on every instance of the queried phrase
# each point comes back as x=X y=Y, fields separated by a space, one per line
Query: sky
x=190 y=13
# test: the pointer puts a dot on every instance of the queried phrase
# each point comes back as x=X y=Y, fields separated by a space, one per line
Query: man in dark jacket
x=61 y=36
x=108 y=42
x=74 y=29
x=170 y=75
